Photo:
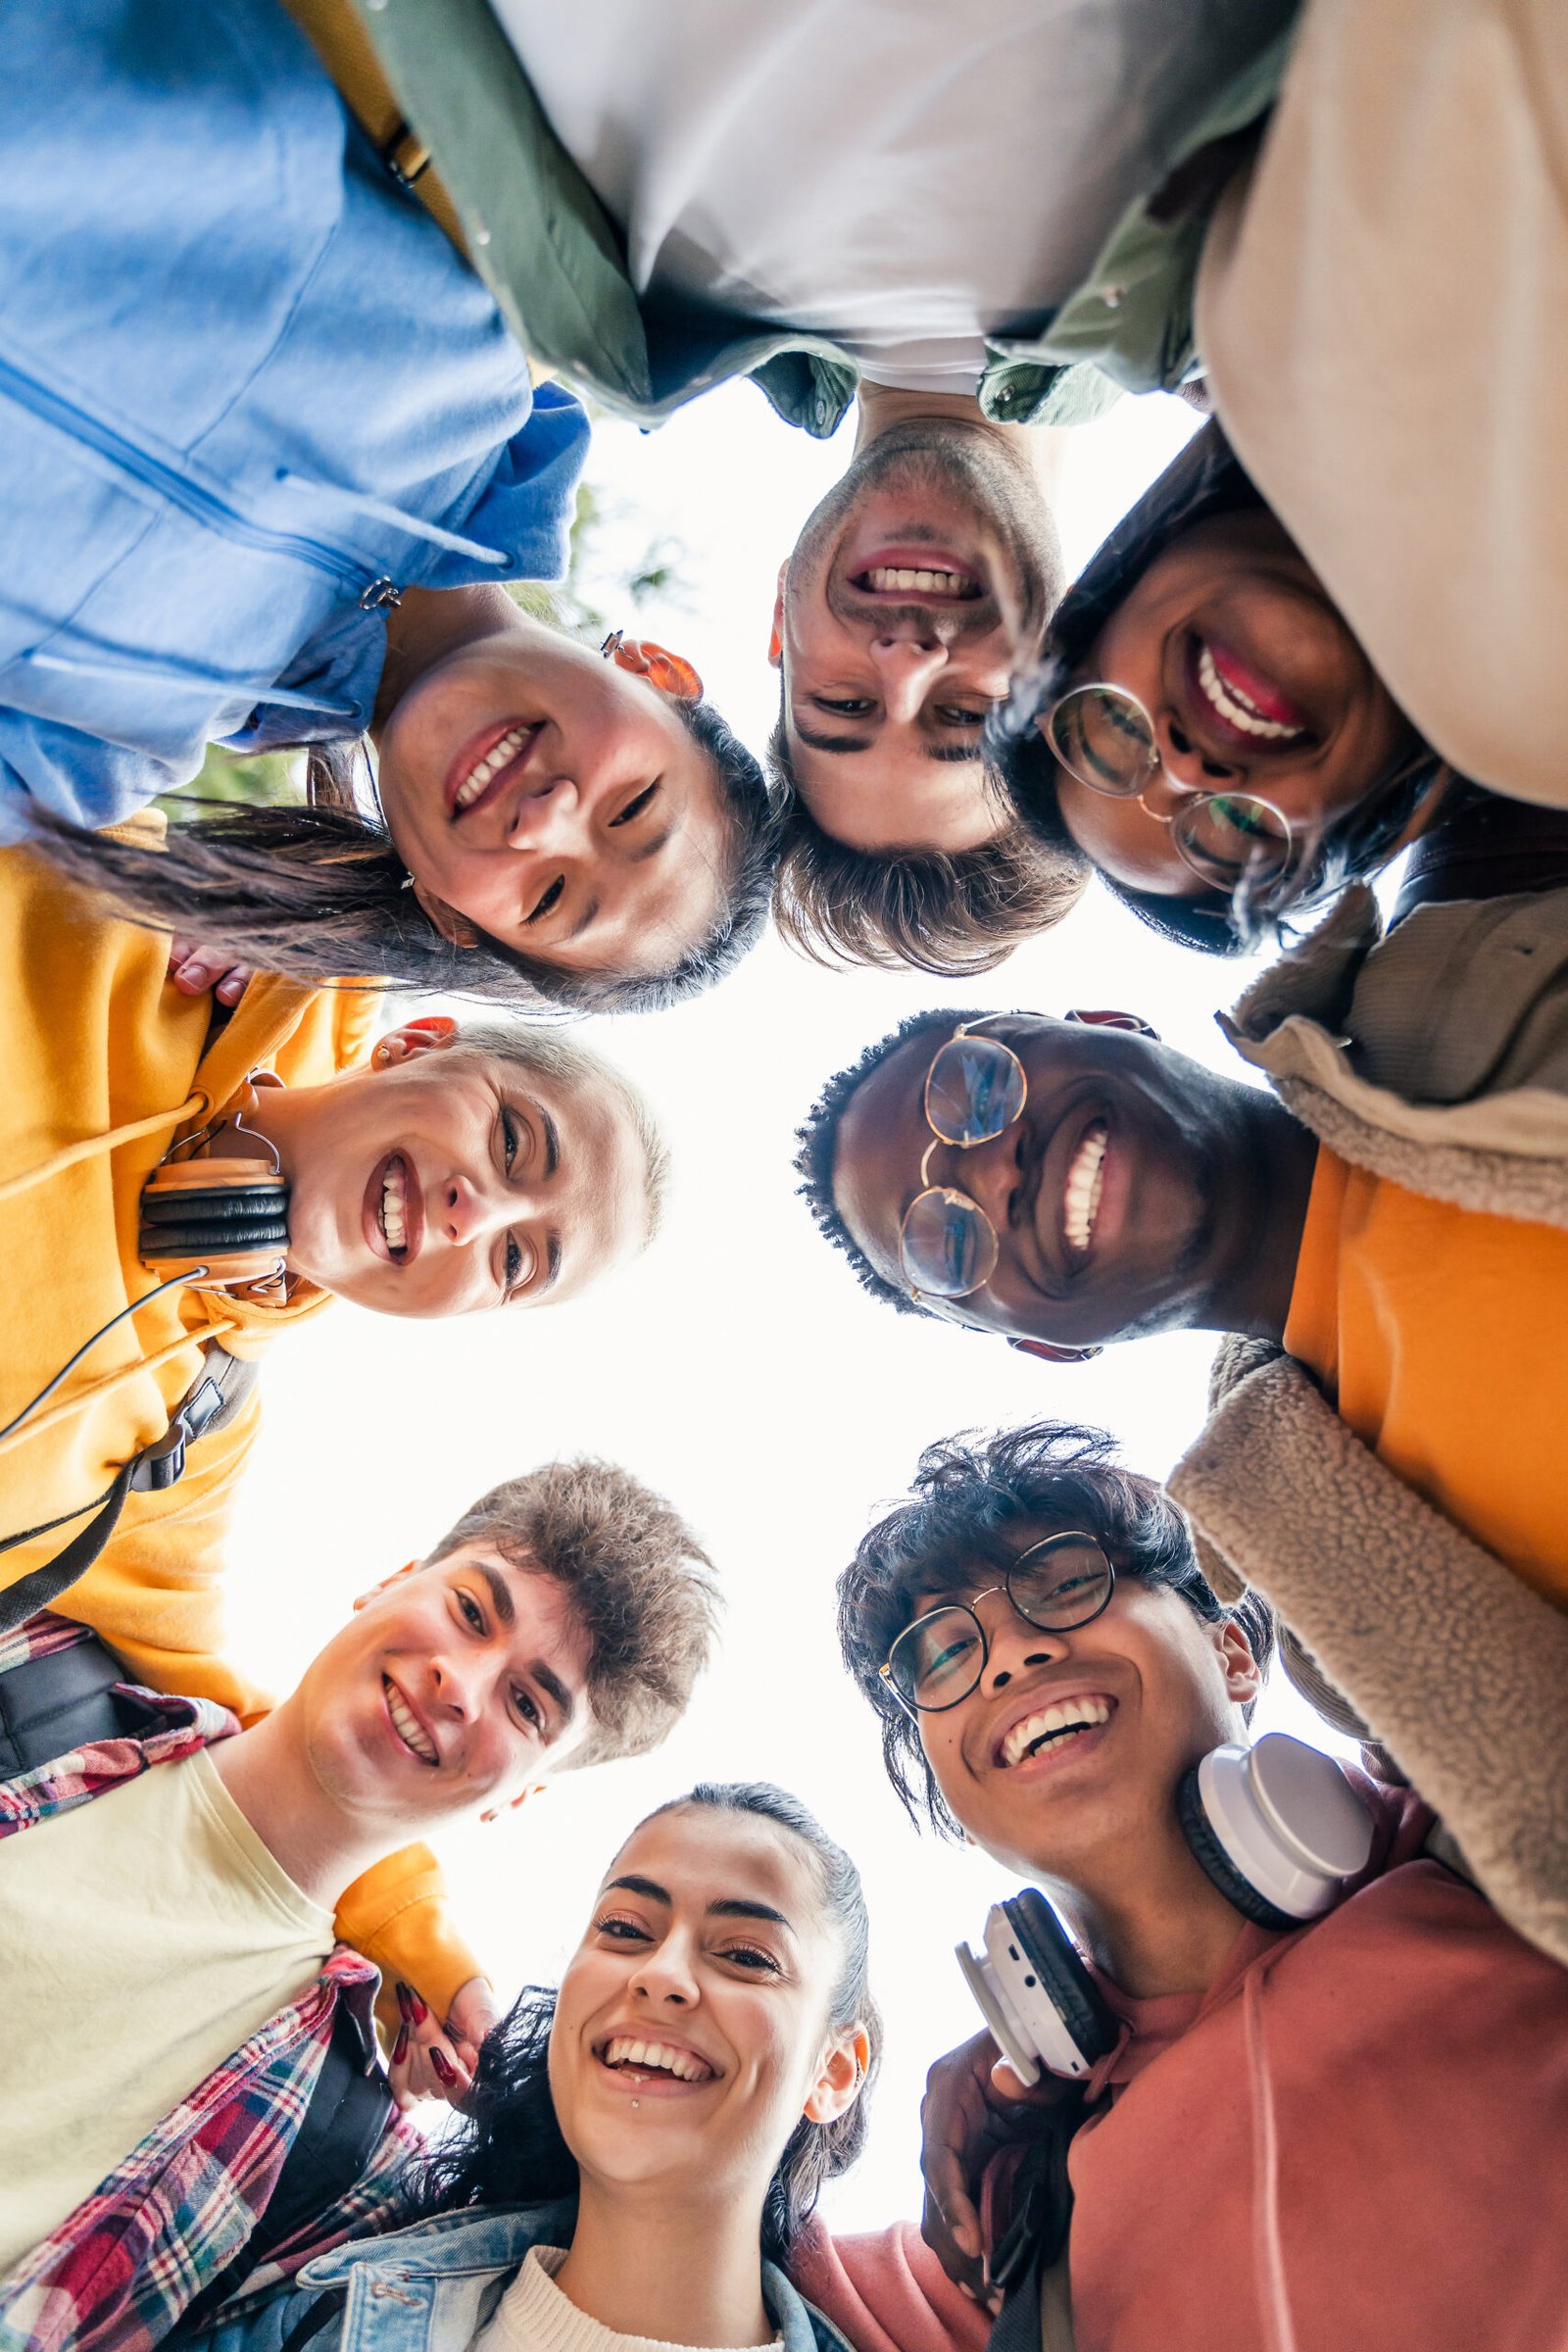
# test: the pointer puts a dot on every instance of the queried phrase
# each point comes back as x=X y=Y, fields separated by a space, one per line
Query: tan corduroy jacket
x=1437 y=1057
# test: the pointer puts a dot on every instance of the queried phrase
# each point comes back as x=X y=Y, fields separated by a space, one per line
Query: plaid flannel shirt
x=120 y=2271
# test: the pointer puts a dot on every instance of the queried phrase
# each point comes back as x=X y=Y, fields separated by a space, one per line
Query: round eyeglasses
x=1231 y=839
x=974 y=1091
x=1057 y=1584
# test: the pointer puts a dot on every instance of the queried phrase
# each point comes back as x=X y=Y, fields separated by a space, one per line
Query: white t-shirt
x=534 y=2316
x=905 y=176
x=143 y=1937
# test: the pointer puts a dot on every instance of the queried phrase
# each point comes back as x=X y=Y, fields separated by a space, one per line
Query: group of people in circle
x=296 y=307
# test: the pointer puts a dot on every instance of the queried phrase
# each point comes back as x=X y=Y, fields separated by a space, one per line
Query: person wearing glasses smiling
x=1385 y=1232
x=1308 y=2097
x=1206 y=728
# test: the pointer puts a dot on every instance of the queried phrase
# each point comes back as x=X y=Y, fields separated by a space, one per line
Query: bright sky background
x=738 y=1368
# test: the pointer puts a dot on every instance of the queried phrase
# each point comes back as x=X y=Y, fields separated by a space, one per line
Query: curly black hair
x=817 y=1139
x=977 y=1502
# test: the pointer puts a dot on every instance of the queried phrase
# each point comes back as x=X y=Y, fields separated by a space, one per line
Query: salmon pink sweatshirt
x=1411 y=2054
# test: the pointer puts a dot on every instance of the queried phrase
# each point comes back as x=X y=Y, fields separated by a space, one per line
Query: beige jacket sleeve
x=1459 y=1668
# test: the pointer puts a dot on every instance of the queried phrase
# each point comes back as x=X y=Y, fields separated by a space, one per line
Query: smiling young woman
x=647 y=2145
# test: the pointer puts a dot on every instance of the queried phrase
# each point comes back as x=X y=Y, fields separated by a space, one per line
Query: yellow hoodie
x=106 y=1064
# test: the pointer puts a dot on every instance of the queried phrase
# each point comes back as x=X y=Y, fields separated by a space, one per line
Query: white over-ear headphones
x=1277 y=1826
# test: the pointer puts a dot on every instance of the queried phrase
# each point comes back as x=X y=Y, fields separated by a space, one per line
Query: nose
x=551 y=820
x=1016 y=1643
x=450 y=1694
x=907 y=658
x=665 y=1974
x=471 y=1212
x=990 y=1173
x=1184 y=768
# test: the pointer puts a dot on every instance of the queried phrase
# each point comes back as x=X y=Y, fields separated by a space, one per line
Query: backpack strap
x=209 y=1404
x=344 y=47
x=69 y=1699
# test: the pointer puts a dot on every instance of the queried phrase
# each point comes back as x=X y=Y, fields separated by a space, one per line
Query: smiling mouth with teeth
x=406 y=1724
x=393 y=1211
x=645 y=2060
x=904 y=579
x=1055 y=1728
x=1079 y=1194
x=485 y=770
x=1236 y=709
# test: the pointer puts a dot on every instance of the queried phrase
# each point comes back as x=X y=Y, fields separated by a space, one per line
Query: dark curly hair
x=816 y=1140
x=977 y=1502
x=316 y=892
x=512 y=2151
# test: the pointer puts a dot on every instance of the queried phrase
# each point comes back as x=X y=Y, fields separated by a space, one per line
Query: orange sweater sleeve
x=397 y=1916
x=886 y=2291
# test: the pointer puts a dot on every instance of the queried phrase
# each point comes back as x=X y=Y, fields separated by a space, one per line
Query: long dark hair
x=512 y=2151
x=316 y=892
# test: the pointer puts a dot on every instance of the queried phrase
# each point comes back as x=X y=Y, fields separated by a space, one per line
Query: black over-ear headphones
x=215 y=1223
x=1277 y=1826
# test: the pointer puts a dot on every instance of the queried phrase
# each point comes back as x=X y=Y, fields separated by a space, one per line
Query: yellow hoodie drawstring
x=90 y=1146
x=14 y=1434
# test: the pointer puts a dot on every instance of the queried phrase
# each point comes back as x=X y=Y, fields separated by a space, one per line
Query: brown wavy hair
x=921 y=909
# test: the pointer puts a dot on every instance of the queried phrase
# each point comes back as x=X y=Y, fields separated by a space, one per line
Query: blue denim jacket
x=431 y=2288
x=245 y=383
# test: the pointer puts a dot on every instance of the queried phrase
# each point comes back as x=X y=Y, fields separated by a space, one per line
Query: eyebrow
x=832 y=743
x=589 y=914
x=651 y=848
x=727 y=1907
x=551 y=1136
x=956 y=754
x=549 y=1681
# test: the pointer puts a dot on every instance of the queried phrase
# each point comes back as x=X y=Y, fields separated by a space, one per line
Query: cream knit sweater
x=534 y=2316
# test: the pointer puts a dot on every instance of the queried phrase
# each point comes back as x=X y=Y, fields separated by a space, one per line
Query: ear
x=670 y=672
x=1089 y=1020
x=409 y=1568
x=1051 y=1355
x=1244 y=1677
x=775 y=642
x=841 y=2071
x=427 y=1034
x=494 y=1812
x=446 y=919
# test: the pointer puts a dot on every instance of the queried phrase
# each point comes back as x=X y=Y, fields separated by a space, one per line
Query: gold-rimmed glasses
x=974 y=1089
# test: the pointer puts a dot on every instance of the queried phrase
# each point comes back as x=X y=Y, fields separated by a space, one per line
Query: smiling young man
x=1383 y=1483
x=1308 y=2136
x=183 y=1925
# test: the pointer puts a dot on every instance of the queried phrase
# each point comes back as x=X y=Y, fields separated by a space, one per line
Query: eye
x=471 y=1609
x=847 y=706
x=528 y=1708
x=622 y=1929
x=952 y=714
x=753 y=1958
x=510 y=1135
x=634 y=808
x=549 y=899
x=513 y=1263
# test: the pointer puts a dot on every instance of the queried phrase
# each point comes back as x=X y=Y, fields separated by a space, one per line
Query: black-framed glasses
x=1057 y=1584
x=974 y=1089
